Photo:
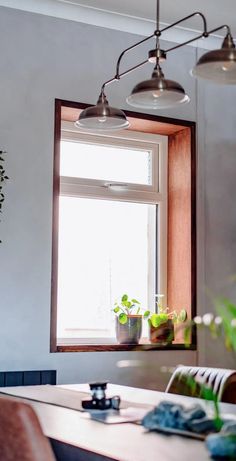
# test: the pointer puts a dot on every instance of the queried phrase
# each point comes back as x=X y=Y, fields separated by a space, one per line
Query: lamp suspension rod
x=114 y=79
x=197 y=13
x=157 y=26
x=158 y=32
x=128 y=49
x=158 y=15
x=185 y=43
x=225 y=26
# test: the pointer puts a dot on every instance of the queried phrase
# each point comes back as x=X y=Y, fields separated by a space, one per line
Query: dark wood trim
x=179 y=252
x=160 y=122
x=124 y=347
x=55 y=218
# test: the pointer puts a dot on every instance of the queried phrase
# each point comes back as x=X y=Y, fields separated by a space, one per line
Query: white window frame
x=155 y=193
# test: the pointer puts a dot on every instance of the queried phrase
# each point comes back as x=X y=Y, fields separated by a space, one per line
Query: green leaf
x=116 y=309
x=146 y=314
x=182 y=317
x=187 y=335
x=135 y=301
x=158 y=319
x=123 y=318
x=124 y=298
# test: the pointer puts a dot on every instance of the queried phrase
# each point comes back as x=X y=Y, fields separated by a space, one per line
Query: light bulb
x=102 y=119
x=156 y=94
x=228 y=66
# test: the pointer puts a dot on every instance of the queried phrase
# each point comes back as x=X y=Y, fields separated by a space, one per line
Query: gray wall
x=42 y=59
x=216 y=209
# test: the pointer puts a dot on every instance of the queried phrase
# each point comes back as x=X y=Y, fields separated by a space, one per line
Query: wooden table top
x=121 y=442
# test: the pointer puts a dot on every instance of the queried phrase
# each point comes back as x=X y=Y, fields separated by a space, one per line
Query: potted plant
x=128 y=320
x=161 y=324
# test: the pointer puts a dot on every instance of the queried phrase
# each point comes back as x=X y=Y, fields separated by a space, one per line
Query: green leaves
x=126 y=307
x=198 y=387
x=123 y=318
x=227 y=311
x=124 y=298
x=182 y=317
x=134 y=301
x=158 y=319
x=187 y=334
x=146 y=314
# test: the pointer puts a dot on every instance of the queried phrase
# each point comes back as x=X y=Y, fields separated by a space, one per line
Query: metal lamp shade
x=102 y=117
x=157 y=93
x=218 y=66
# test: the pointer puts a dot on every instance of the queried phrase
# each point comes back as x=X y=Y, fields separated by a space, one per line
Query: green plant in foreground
x=125 y=307
x=222 y=325
x=196 y=386
x=3 y=179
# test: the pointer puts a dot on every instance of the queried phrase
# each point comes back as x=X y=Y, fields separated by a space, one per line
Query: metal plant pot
x=163 y=333
x=129 y=332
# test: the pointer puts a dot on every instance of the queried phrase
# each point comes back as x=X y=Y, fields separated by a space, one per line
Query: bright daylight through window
x=112 y=230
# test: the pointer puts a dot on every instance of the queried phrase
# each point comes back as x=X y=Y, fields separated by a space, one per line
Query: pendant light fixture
x=102 y=117
x=158 y=92
x=219 y=65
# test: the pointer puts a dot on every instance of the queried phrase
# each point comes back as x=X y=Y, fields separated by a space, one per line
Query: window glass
x=104 y=162
x=104 y=252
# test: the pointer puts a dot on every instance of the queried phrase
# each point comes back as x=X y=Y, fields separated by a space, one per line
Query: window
x=124 y=220
x=112 y=229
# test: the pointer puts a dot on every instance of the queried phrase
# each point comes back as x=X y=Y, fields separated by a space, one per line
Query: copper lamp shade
x=218 y=65
x=102 y=117
x=157 y=93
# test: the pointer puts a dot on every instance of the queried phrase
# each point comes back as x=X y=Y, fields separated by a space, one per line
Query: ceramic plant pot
x=164 y=333
x=129 y=332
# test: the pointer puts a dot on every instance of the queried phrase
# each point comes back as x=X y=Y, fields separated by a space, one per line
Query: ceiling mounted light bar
x=158 y=92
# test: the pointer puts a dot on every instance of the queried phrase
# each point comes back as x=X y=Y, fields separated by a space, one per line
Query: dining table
x=75 y=435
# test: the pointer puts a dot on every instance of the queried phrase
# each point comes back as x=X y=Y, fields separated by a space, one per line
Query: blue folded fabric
x=175 y=416
x=223 y=445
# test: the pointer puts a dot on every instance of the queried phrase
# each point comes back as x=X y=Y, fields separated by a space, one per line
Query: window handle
x=116 y=186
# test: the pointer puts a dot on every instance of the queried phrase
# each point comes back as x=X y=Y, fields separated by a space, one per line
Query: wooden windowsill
x=123 y=347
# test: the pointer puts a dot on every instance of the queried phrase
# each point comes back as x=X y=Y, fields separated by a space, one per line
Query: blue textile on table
x=175 y=416
x=223 y=445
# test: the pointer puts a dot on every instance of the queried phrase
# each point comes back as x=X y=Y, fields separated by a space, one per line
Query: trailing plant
x=3 y=179
x=125 y=307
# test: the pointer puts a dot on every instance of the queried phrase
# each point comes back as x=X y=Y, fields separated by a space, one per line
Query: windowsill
x=123 y=347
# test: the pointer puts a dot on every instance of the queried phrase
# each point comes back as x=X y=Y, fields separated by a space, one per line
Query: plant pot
x=164 y=333
x=129 y=332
